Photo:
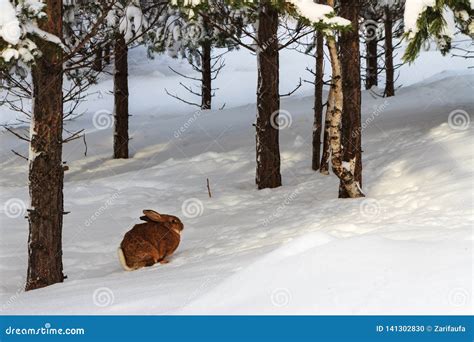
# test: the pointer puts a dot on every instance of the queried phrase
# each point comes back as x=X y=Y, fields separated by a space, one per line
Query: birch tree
x=343 y=170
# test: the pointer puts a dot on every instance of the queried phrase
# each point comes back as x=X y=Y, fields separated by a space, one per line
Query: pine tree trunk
x=389 y=70
x=97 y=65
x=318 y=101
x=107 y=53
x=46 y=172
x=351 y=112
x=268 y=98
x=334 y=118
x=206 y=87
x=371 y=77
x=121 y=98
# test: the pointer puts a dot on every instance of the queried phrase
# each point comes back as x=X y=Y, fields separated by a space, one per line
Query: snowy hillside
x=406 y=248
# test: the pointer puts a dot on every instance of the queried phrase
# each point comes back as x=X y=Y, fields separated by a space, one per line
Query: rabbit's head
x=170 y=221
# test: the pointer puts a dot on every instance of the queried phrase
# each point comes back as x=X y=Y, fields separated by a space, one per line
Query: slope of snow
x=405 y=249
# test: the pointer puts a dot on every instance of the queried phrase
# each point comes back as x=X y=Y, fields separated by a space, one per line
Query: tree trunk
x=318 y=101
x=206 y=86
x=389 y=70
x=268 y=98
x=97 y=65
x=107 y=53
x=121 y=98
x=371 y=77
x=351 y=109
x=46 y=172
x=334 y=119
x=324 y=167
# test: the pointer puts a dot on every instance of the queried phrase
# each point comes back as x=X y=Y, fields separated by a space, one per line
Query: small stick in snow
x=208 y=188
x=85 y=144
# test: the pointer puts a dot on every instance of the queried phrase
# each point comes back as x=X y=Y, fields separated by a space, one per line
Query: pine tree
x=34 y=38
x=389 y=68
x=121 y=112
x=318 y=101
x=393 y=28
x=45 y=161
x=351 y=88
x=127 y=22
x=383 y=21
x=267 y=44
x=183 y=33
x=437 y=21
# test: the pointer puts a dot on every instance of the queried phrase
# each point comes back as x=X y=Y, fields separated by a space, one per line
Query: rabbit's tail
x=122 y=260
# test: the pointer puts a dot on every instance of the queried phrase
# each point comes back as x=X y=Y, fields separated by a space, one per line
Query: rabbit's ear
x=144 y=218
x=152 y=215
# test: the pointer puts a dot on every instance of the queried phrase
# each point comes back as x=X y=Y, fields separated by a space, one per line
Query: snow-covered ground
x=407 y=248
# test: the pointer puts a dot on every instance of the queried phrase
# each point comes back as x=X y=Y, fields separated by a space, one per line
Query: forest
x=309 y=156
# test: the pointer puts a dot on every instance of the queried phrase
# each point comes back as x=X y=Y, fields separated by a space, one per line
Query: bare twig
x=208 y=188
x=19 y=155
x=293 y=91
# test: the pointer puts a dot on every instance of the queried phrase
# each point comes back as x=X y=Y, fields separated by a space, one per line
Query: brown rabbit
x=150 y=242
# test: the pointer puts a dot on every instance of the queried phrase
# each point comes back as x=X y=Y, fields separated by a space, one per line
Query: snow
x=413 y=10
x=130 y=20
x=46 y=36
x=10 y=53
x=10 y=30
x=318 y=13
x=35 y=7
x=450 y=27
x=132 y=23
x=15 y=24
x=404 y=249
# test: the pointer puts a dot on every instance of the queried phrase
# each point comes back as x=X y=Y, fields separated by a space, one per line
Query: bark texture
x=351 y=88
x=389 y=69
x=268 y=99
x=97 y=65
x=324 y=167
x=121 y=98
x=206 y=71
x=107 y=53
x=371 y=77
x=318 y=101
x=46 y=172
